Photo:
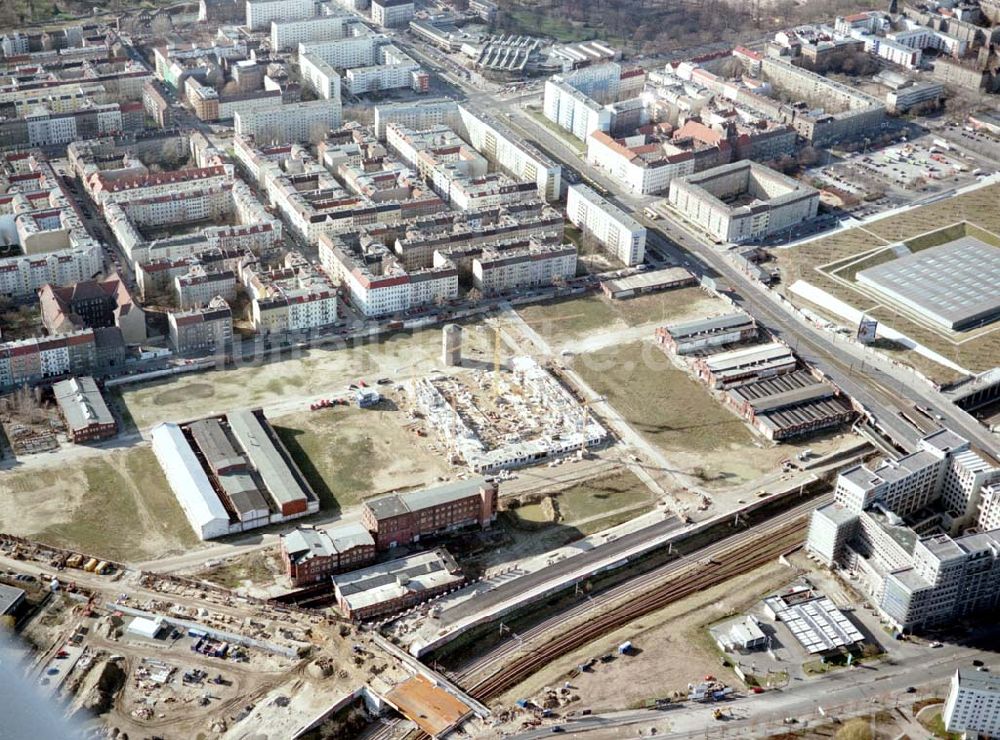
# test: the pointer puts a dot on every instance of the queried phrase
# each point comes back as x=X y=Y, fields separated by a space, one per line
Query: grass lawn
x=559 y=132
x=577 y=317
x=592 y=498
x=254 y=566
x=663 y=403
x=117 y=506
x=935 y=725
x=348 y=454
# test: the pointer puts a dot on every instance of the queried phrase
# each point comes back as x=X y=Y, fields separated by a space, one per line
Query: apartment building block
x=202 y=330
x=622 y=236
x=392 y=13
x=261 y=13
x=297 y=122
x=973 y=704
x=288 y=34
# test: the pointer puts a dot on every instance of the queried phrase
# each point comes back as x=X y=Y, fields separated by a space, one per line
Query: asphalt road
x=883 y=393
x=851 y=689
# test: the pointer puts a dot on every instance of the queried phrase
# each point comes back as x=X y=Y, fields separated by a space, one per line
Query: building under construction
x=496 y=421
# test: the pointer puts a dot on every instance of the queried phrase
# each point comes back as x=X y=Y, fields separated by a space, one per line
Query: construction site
x=29 y=425
x=495 y=421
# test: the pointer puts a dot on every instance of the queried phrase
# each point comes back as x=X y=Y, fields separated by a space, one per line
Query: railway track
x=669 y=583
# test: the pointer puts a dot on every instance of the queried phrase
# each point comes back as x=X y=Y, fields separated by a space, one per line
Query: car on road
x=911 y=690
x=557 y=728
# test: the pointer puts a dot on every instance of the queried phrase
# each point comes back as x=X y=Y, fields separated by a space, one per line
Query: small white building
x=742 y=633
x=146 y=628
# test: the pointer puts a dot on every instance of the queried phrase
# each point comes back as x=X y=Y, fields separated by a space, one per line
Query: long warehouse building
x=231 y=474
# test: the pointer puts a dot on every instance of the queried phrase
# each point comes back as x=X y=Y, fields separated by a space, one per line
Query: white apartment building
x=973 y=705
x=573 y=110
x=497 y=271
x=417 y=115
x=289 y=34
x=394 y=69
x=390 y=291
x=320 y=77
x=620 y=234
x=577 y=101
x=297 y=122
x=23 y=275
x=392 y=13
x=632 y=164
x=260 y=13
x=506 y=149
x=356 y=51
x=198 y=287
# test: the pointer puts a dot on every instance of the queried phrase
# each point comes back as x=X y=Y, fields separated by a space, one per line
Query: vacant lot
x=844 y=253
x=561 y=321
x=676 y=413
x=117 y=506
x=349 y=454
x=673 y=648
x=284 y=385
x=603 y=502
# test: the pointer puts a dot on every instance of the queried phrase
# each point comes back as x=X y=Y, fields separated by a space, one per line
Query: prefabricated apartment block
x=231 y=473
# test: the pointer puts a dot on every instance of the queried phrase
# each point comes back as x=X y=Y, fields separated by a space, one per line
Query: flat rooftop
x=651 y=279
x=387 y=582
x=956 y=284
x=818 y=625
x=434 y=710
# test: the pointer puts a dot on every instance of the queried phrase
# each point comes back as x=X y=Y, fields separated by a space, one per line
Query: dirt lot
x=672 y=648
x=258 y=569
x=349 y=453
x=976 y=351
x=118 y=506
x=287 y=384
x=575 y=319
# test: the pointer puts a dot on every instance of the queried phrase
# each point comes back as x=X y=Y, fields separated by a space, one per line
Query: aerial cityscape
x=402 y=369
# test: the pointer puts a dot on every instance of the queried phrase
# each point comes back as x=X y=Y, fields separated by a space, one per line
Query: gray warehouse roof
x=10 y=597
x=956 y=284
x=215 y=445
x=281 y=483
x=714 y=325
x=81 y=403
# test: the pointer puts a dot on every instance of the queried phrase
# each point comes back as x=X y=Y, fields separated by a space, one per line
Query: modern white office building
x=620 y=234
x=297 y=122
x=913 y=531
x=973 y=705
